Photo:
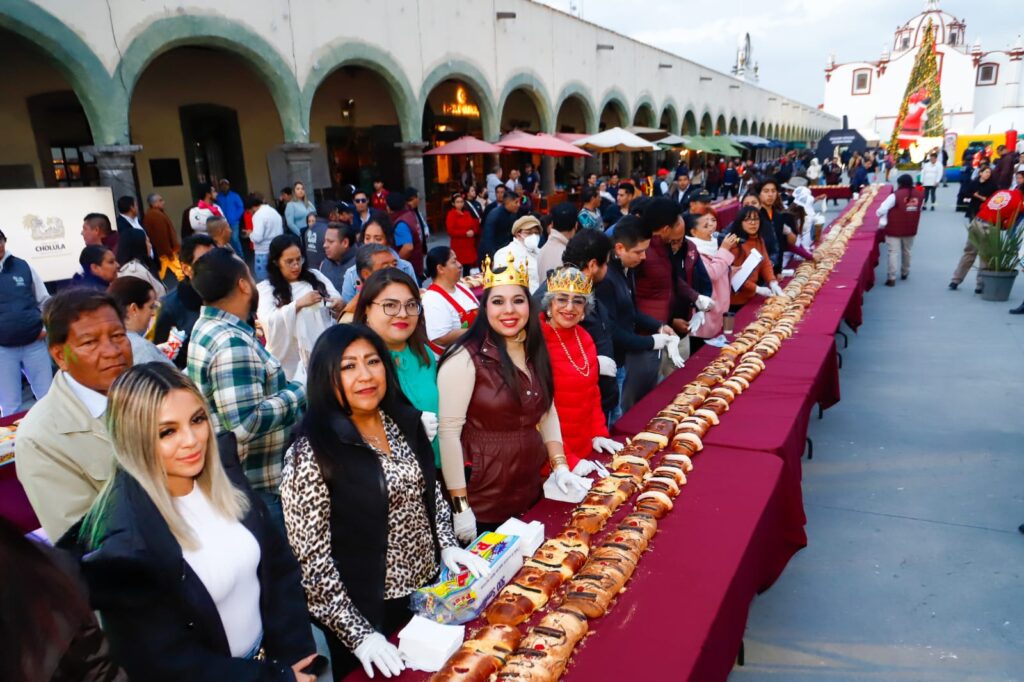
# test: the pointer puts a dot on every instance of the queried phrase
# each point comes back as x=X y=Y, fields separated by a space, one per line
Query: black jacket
x=627 y=323
x=159 y=617
x=774 y=239
x=180 y=309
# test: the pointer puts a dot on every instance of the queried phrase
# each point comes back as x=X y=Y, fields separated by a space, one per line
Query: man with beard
x=244 y=385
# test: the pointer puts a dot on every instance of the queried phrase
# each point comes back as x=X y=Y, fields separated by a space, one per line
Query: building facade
x=981 y=90
x=158 y=96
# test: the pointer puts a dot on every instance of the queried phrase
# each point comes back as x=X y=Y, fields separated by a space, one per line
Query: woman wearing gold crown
x=498 y=423
x=574 y=366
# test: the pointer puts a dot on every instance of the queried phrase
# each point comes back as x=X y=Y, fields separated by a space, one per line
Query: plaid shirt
x=247 y=392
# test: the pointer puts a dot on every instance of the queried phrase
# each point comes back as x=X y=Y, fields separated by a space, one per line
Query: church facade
x=981 y=90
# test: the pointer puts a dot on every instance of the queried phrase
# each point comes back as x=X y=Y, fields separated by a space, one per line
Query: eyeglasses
x=293 y=262
x=570 y=301
x=360 y=201
x=392 y=307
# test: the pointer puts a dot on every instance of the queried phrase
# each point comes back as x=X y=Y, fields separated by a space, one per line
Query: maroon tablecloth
x=831 y=191
x=726 y=212
x=685 y=609
x=841 y=298
x=14 y=505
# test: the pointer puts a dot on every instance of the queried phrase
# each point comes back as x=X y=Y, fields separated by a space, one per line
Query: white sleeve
x=259 y=228
x=278 y=322
x=39 y=286
x=883 y=210
x=437 y=315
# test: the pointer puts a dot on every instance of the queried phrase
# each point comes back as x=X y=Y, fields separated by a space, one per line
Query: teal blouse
x=419 y=384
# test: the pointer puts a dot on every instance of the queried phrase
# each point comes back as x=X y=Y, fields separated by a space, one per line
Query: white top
x=226 y=563
x=266 y=224
x=521 y=254
x=883 y=211
x=440 y=317
x=95 y=403
x=291 y=333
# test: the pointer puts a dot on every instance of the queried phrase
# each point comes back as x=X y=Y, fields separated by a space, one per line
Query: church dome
x=949 y=30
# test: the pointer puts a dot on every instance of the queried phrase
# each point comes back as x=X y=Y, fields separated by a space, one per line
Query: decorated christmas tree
x=921 y=111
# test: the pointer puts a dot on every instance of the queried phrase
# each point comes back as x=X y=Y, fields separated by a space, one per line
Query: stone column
x=299 y=158
x=115 y=164
x=625 y=165
x=547 y=175
x=412 y=166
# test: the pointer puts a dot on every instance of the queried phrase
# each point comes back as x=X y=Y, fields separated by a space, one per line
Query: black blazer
x=159 y=617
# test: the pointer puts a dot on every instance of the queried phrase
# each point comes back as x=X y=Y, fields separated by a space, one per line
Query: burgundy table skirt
x=726 y=211
x=14 y=504
x=683 y=613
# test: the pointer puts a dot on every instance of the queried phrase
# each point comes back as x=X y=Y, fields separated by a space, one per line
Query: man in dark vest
x=408 y=236
x=900 y=214
x=22 y=348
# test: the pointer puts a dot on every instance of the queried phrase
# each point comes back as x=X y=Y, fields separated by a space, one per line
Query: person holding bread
x=498 y=425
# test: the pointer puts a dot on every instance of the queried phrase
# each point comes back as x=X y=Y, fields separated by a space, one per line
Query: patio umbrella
x=467 y=144
x=541 y=143
x=615 y=140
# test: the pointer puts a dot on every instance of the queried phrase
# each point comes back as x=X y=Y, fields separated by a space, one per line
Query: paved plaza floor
x=913 y=569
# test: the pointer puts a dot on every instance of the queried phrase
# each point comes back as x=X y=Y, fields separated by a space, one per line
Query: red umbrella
x=541 y=143
x=466 y=144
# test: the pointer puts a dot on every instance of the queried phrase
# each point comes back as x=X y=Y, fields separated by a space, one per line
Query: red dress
x=577 y=396
x=458 y=225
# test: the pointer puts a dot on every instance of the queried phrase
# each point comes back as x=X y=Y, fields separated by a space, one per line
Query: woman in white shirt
x=191 y=577
x=449 y=308
x=296 y=305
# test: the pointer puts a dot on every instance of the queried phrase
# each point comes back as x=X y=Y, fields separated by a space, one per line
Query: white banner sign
x=44 y=226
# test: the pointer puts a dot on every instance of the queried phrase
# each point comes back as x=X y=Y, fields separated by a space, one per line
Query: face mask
x=531 y=242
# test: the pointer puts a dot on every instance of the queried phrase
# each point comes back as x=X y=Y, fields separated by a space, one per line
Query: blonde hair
x=133 y=418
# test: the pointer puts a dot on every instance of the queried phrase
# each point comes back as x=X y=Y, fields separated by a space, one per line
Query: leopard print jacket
x=410 y=556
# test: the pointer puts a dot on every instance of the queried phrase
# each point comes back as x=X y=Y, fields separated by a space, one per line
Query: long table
x=14 y=505
x=831 y=191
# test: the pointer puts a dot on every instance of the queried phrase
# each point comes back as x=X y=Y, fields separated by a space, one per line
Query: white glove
x=696 y=321
x=585 y=467
x=455 y=558
x=674 y=356
x=763 y=291
x=602 y=444
x=606 y=366
x=776 y=288
x=429 y=420
x=565 y=480
x=662 y=340
x=464 y=524
x=376 y=650
x=704 y=303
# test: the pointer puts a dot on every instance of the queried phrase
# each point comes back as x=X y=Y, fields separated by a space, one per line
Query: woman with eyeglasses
x=761 y=280
x=389 y=304
x=296 y=304
x=574 y=366
x=449 y=308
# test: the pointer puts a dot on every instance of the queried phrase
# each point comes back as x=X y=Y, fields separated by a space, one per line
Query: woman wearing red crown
x=498 y=424
x=574 y=365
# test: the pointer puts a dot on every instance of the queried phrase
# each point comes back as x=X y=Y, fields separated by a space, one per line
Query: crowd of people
x=233 y=449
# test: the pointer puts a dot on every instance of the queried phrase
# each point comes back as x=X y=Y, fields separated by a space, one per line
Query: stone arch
x=734 y=126
x=707 y=126
x=575 y=89
x=644 y=110
x=165 y=34
x=468 y=73
x=530 y=83
x=614 y=97
x=108 y=118
x=744 y=127
x=689 y=126
x=671 y=111
x=771 y=131
x=334 y=56
x=720 y=124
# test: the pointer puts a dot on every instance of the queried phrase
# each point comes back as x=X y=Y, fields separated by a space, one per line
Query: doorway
x=213 y=146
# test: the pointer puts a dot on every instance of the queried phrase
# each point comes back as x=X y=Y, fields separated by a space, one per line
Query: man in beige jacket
x=62 y=453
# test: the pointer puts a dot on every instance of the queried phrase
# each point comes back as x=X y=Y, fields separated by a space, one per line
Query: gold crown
x=510 y=275
x=569 y=281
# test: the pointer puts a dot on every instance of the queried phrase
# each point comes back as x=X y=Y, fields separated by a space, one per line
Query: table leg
x=810 y=448
x=846 y=339
x=741 y=659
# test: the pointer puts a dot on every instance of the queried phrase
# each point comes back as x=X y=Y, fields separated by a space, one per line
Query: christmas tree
x=921 y=111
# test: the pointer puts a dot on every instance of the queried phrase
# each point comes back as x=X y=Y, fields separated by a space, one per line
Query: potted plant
x=1000 y=250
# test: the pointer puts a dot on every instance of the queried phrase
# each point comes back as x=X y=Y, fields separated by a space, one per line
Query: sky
x=790 y=39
